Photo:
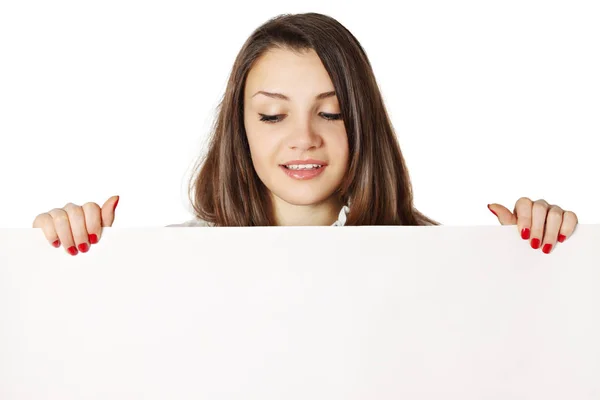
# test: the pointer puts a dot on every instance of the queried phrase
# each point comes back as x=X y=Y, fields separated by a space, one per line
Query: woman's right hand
x=76 y=227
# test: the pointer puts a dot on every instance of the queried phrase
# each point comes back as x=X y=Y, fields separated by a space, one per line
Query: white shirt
x=199 y=222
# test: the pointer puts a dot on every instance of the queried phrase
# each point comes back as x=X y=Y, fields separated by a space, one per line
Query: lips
x=303 y=174
x=305 y=162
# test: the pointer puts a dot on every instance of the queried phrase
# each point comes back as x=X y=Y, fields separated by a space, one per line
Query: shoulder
x=192 y=222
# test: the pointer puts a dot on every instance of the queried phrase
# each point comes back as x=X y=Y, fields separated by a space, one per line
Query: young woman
x=302 y=137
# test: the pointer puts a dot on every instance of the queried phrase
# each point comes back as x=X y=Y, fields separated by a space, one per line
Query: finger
x=554 y=220
x=63 y=229
x=569 y=222
x=539 y=212
x=504 y=215
x=108 y=211
x=78 y=227
x=523 y=213
x=93 y=221
x=46 y=223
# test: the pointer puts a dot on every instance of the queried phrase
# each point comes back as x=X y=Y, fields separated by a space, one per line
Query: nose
x=304 y=137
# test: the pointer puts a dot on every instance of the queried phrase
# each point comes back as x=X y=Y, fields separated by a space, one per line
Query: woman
x=302 y=137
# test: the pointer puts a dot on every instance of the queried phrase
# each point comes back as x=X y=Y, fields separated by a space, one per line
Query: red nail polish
x=547 y=248
x=72 y=250
x=525 y=233
x=535 y=243
x=116 y=202
x=83 y=247
x=561 y=238
x=93 y=238
x=56 y=243
x=492 y=210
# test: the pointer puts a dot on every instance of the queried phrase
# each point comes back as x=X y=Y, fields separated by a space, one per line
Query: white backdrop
x=491 y=101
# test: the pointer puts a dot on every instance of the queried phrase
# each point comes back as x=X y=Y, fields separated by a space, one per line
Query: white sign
x=301 y=313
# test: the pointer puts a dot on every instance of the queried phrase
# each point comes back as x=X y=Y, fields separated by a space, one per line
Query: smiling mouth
x=300 y=167
x=303 y=173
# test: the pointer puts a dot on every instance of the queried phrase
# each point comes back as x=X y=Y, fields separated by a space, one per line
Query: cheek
x=262 y=150
x=341 y=146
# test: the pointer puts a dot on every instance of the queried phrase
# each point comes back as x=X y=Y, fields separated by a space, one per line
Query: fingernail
x=492 y=210
x=525 y=233
x=83 y=247
x=72 y=250
x=93 y=238
x=56 y=243
x=547 y=248
x=535 y=243
x=561 y=238
x=116 y=202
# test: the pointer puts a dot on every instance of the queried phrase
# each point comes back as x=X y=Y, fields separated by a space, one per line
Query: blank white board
x=301 y=313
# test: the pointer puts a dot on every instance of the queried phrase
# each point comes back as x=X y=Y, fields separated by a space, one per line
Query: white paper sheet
x=301 y=313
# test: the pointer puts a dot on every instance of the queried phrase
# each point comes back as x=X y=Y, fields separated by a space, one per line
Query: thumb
x=504 y=215
x=108 y=211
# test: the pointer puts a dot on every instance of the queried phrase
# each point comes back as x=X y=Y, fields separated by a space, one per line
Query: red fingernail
x=83 y=247
x=535 y=243
x=72 y=250
x=93 y=238
x=116 y=202
x=56 y=243
x=547 y=248
x=561 y=238
x=525 y=233
x=492 y=210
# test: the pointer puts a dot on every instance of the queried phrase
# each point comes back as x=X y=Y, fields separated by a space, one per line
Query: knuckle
x=59 y=216
x=40 y=219
x=74 y=211
x=90 y=204
x=525 y=200
x=91 y=208
x=61 y=219
x=57 y=212
x=555 y=211
x=570 y=215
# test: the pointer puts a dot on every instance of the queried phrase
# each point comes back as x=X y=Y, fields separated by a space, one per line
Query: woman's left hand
x=542 y=222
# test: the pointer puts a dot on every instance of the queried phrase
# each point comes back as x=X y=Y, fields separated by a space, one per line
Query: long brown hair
x=225 y=189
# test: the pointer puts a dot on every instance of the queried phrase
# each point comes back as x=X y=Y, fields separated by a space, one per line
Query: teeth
x=303 y=166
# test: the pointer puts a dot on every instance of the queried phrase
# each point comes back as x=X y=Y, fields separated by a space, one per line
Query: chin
x=305 y=197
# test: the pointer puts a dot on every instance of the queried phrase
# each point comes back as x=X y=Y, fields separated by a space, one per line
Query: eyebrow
x=321 y=96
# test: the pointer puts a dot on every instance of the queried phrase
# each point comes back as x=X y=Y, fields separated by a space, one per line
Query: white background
x=491 y=100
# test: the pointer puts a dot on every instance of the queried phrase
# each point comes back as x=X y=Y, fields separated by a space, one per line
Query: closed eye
x=271 y=119
x=331 y=117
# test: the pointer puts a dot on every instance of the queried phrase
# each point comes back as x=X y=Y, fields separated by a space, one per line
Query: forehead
x=288 y=71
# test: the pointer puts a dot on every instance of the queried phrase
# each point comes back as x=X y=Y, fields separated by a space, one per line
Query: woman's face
x=301 y=123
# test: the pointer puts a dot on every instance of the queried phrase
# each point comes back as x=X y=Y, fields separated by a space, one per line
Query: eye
x=271 y=119
x=332 y=117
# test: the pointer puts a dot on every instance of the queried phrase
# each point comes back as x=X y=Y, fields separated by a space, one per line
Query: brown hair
x=226 y=191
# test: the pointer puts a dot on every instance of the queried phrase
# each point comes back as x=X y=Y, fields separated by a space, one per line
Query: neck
x=320 y=214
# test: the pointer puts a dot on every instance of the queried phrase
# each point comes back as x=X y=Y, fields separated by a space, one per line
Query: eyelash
x=272 y=119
